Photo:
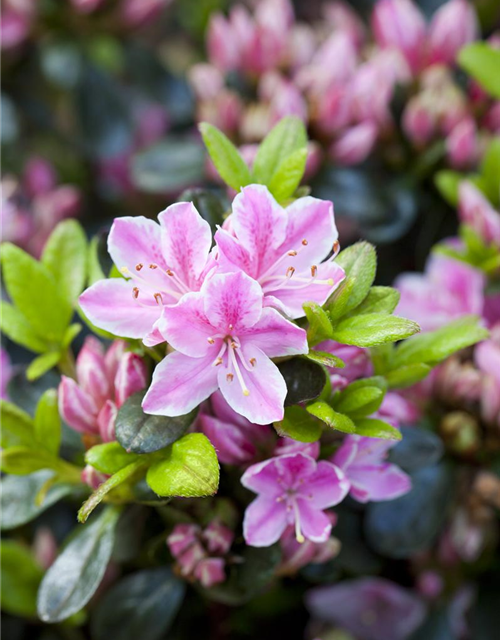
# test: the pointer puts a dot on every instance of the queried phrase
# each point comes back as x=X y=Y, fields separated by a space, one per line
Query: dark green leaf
x=225 y=156
x=359 y=402
x=17 y=426
x=139 y=432
x=74 y=577
x=211 y=205
x=299 y=425
x=304 y=380
x=332 y=418
x=21 y=576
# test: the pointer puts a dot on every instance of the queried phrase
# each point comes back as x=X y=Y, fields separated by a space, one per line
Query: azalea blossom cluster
x=341 y=80
x=34 y=204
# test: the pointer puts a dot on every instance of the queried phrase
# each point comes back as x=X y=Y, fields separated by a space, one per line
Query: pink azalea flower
x=224 y=339
x=355 y=144
x=104 y=381
x=487 y=358
x=477 y=212
x=292 y=489
x=162 y=262
x=288 y=445
x=282 y=249
x=236 y=440
x=370 y=477
x=398 y=410
x=448 y=290
x=453 y=26
x=462 y=145
x=369 y=608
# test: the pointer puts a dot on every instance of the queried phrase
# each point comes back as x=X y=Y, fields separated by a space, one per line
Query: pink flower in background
x=229 y=344
x=487 y=358
x=17 y=19
x=282 y=249
x=419 y=120
x=104 y=381
x=369 y=608
x=475 y=210
x=448 y=290
x=286 y=445
x=343 y=18
x=236 y=440
x=357 y=362
x=199 y=553
x=5 y=373
x=135 y=13
x=371 y=478
x=398 y=410
x=86 y=6
x=462 y=144
x=292 y=490
x=162 y=262
x=354 y=144
x=454 y=25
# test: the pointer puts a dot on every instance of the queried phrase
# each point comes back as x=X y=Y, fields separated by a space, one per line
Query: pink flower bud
x=477 y=212
x=462 y=145
x=342 y=17
x=430 y=584
x=39 y=176
x=453 y=26
x=16 y=23
x=288 y=446
x=355 y=144
x=222 y=45
x=106 y=421
x=181 y=538
x=492 y=118
x=93 y=478
x=218 y=538
x=206 y=80
x=77 y=407
x=210 y=571
x=45 y=547
x=91 y=371
x=135 y=13
x=399 y=24
x=302 y=45
x=113 y=356
x=189 y=559
x=86 y=6
x=419 y=121
x=334 y=108
x=152 y=123
x=131 y=377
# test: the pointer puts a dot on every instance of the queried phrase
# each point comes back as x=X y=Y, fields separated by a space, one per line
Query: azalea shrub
x=228 y=409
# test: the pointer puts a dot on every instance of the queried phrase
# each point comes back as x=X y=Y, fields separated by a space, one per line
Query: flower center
x=175 y=288
x=231 y=348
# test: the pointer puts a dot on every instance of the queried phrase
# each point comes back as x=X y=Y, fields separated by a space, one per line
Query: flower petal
x=186 y=327
x=232 y=254
x=109 y=304
x=229 y=441
x=378 y=482
x=276 y=336
x=186 y=242
x=265 y=384
x=264 y=522
x=326 y=487
x=233 y=301
x=314 y=524
x=76 y=407
x=179 y=384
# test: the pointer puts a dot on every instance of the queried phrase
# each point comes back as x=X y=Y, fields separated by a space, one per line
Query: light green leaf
x=490 y=171
x=190 y=469
x=35 y=293
x=326 y=359
x=373 y=329
x=17 y=426
x=407 y=376
x=42 y=364
x=435 y=346
x=15 y=326
x=299 y=425
x=48 y=422
x=109 y=457
x=482 y=62
x=330 y=417
x=359 y=262
x=378 y=300
x=21 y=576
x=23 y=460
x=447 y=183
x=320 y=327
x=95 y=271
x=359 y=402
x=225 y=156
x=288 y=176
x=287 y=137
x=71 y=333
x=65 y=255
x=375 y=428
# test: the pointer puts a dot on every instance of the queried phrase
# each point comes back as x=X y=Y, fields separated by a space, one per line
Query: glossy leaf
x=326 y=359
x=288 y=176
x=109 y=457
x=21 y=577
x=304 y=380
x=378 y=300
x=299 y=425
x=373 y=329
x=225 y=156
x=320 y=326
x=375 y=428
x=47 y=422
x=330 y=417
x=286 y=138
x=407 y=376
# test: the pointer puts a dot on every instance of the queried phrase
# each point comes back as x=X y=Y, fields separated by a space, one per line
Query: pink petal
x=264 y=522
x=233 y=301
x=186 y=327
x=314 y=524
x=91 y=371
x=179 y=384
x=346 y=453
x=110 y=305
x=76 y=407
x=131 y=376
x=113 y=356
x=106 y=421
x=232 y=254
x=186 y=241
x=265 y=477
x=210 y=571
x=228 y=440
x=378 y=482
x=266 y=386
x=276 y=336
x=326 y=487
x=260 y=226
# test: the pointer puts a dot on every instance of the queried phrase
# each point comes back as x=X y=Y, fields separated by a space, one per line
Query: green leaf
x=225 y=156
x=299 y=425
x=74 y=577
x=304 y=380
x=326 y=359
x=15 y=326
x=375 y=428
x=190 y=469
x=435 y=346
x=117 y=479
x=21 y=576
x=320 y=327
x=490 y=171
x=287 y=137
x=359 y=399
x=139 y=432
x=330 y=417
x=35 y=293
x=95 y=271
x=23 y=460
x=378 y=300
x=447 y=183
x=18 y=498
x=359 y=262
x=109 y=457
x=71 y=332
x=407 y=376
x=288 y=176
x=48 y=422
x=482 y=62
x=141 y=605
x=17 y=426
x=372 y=329
x=65 y=256
x=42 y=364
